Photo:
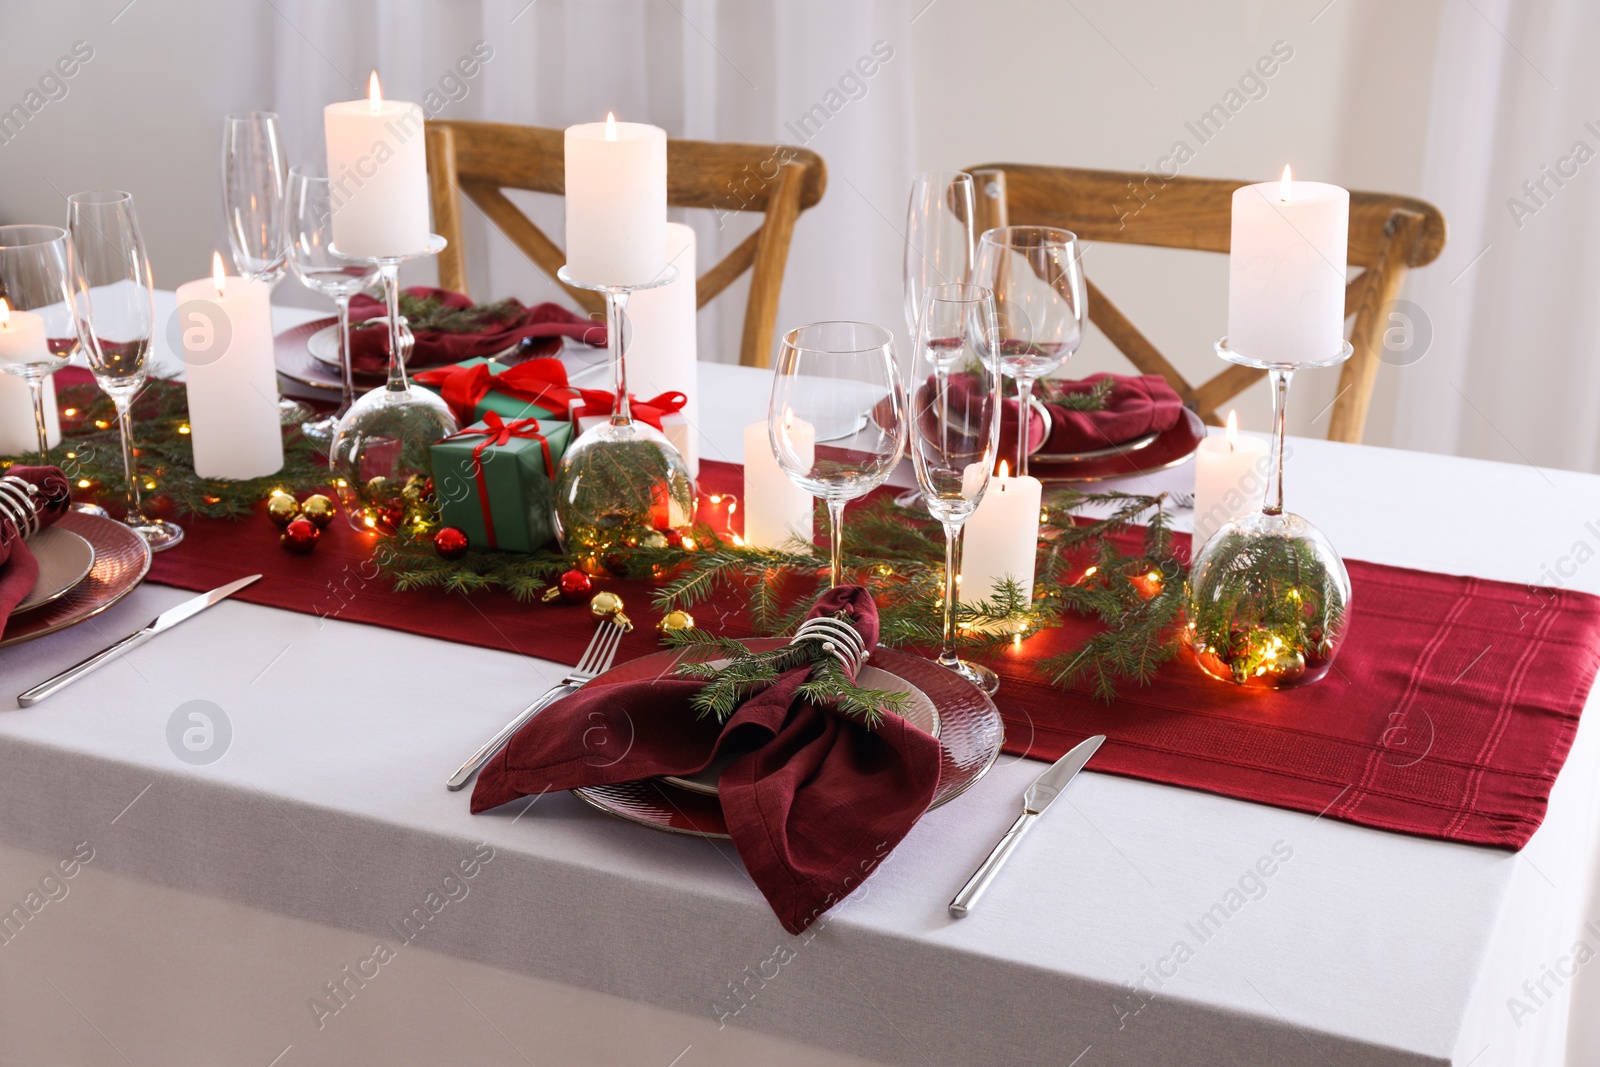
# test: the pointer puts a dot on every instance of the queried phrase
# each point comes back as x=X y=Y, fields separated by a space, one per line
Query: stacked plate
x=86 y=564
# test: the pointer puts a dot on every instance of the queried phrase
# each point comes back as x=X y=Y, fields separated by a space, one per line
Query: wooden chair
x=482 y=159
x=1388 y=236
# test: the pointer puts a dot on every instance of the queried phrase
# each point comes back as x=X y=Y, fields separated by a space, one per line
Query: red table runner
x=1449 y=712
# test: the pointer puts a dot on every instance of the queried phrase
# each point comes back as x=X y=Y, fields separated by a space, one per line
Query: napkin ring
x=839 y=639
x=16 y=504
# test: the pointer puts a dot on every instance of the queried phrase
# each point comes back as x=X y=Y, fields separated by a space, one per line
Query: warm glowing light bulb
x=219 y=277
x=611 y=126
x=374 y=93
x=1233 y=429
x=1285 y=185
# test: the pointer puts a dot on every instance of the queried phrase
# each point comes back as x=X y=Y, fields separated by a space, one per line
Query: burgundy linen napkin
x=18 y=569
x=814 y=803
x=1138 y=404
x=547 y=323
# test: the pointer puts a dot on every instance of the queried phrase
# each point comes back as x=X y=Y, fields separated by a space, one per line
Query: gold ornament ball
x=377 y=488
x=674 y=622
x=319 y=509
x=282 y=509
x=604 y=604
x=654 y=539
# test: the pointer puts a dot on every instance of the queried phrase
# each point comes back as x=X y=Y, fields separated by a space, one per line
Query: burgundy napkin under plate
x=18 y=569
x=813 y=804
x=548 y=323
x=1138 y=405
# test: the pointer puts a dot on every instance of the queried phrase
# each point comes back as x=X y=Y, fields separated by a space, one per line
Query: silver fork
x=596 y=660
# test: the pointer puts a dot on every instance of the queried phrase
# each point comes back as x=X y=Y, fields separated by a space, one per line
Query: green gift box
x=527 y=379
x=493 y=480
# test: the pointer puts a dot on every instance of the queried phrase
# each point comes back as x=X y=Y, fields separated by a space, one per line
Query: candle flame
x=611 y=126
x=374 y=92
x=1285 y=185
x=5 y=314
x=219 y=277
x=1004 y=471
x=1233 y=429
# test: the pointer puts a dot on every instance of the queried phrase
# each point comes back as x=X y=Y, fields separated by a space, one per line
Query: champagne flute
x=255 y=175
x=113 y=308
x=311 y=257
x=837 y=417
x=939 y=249
x=955 y=429
x=35 y=310
x=1036 y=276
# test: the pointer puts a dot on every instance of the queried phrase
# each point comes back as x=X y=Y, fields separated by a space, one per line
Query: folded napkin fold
x=1137 y=405
x=814 y=801
x=547 y=323
x=31 y=498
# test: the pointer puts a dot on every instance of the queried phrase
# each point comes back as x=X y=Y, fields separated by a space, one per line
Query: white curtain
x=1513 y=160
x=721 y=70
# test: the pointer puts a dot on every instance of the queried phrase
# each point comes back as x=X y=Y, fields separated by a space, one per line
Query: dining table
x=312 y=893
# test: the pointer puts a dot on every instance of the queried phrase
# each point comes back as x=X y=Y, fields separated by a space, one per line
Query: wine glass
x=939 y=249
x=955 y=429
x=255 y=174
x=837 y=417
x=311 y=257
x=1036 y=276
x=35 y=310
x=113 y=309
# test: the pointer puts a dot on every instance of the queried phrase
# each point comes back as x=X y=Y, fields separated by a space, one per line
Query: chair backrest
x=1388 y=236
x=482 y=159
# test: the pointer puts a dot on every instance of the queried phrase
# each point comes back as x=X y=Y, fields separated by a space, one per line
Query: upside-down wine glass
x=939 y=250
x=1037 y=281
x=255 y=177
x=311 y=257
x=35 y=311
x=955 y=429
x=837 y=417
x=113 y=309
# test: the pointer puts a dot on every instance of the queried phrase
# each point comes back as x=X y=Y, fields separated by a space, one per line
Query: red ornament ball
x=575 y=586
x=450 y=543
x=300 y=536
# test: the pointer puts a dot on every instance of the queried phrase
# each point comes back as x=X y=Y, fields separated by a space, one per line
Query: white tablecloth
x=248 y=885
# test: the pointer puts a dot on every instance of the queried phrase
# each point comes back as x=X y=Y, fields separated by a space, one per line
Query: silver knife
x=1040 y=795
x=165 y=621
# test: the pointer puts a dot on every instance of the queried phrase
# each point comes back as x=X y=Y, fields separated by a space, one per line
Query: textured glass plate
x=121 y=560
x=970 y=734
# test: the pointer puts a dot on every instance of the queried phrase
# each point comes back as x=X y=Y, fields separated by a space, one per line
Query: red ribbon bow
x=600 y=402
x=497 y=431
x=537 y=381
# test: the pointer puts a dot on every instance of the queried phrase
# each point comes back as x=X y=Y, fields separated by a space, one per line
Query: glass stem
x=616 y=327
x=835 y=542
x=1024 y=421
x=134 y=515
x=1273 y=502
x=36 y=387
x=349 y=383
x=947 y=647
x=389 y=271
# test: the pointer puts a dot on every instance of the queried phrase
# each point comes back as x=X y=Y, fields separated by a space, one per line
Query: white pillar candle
x=1286 y=271
x=662 y=345
x=1230 y=474
x=230 y=376
x=775 y=509
x=378 y=166
x=22 y=340
x=1001 y=539
x=616 y=190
